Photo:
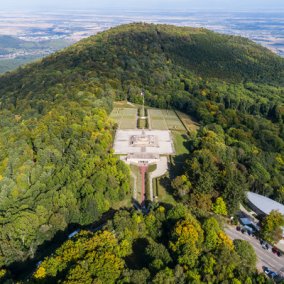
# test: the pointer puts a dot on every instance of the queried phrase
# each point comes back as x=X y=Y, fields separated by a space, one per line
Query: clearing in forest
x=163 y=119
x=164 y=133
x=126 y=118
x=189 y=123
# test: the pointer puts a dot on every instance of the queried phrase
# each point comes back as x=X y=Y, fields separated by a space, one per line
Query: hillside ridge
x=57 y=166
x=196 y=48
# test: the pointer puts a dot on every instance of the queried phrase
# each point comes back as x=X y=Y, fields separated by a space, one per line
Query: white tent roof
x=265 y=204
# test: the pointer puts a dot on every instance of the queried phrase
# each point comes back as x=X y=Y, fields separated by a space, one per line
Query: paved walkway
x=162 y=168
x=131 y=104
x=149 y=120
x=134 y=185
x=143 y=169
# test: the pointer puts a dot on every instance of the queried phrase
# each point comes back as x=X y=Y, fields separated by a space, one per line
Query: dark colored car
x=272 y=274
x=269 y=272
x=266 y=270
x=265 y=245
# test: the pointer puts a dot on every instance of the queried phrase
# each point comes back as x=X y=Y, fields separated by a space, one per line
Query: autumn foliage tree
x=127 y=251
x=87 y=259
x=181 y=186
x=272 y=227
x=219 y=207
x=56 y=162
x=187 y=238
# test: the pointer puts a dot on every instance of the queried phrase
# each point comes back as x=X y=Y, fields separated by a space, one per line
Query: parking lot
x=265 y=257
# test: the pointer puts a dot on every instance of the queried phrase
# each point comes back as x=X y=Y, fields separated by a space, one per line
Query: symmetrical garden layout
x=164 y=119
x=136 y=141
x=125 y=117
x=147 y=148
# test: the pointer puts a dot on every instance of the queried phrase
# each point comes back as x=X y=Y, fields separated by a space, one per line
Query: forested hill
x=201 y=51
x=56 y=162
x=130 y=56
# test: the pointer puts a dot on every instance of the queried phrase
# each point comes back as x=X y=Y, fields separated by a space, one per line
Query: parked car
x=266 y=270
x=38 y=263
x=274 y=250
x=277 y=251
x=265 y=245
x=269 y=272
x=272 y=274
x=70 y=236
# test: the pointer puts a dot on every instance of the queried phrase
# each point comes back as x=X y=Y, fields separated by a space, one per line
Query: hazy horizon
x=166 y=5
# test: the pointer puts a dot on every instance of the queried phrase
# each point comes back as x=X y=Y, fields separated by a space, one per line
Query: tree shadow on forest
x=136 y=203
x=138 y=258
x=176 y=167
x=24 y=269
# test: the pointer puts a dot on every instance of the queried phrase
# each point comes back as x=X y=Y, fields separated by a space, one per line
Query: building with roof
x=263 y=205
x=133 y=141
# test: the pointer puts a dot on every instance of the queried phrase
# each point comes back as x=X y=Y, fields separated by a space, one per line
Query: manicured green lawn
x=135 y=170
x=142 y=123
x=159 y=188
x=179 y=139
x=125 y=117
x=188 y=121
x=172 y=120
x=161 y=119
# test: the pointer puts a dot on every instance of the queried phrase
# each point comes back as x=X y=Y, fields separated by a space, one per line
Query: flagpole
x=143 y=103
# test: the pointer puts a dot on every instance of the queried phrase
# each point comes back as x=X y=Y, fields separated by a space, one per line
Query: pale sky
x=224 y=5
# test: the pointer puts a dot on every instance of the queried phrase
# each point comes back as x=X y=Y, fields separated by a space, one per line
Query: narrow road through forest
x=265 y=257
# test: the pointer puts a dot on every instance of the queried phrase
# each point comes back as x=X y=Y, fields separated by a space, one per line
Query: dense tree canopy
x=127 y=251
x=89 y=257
x=56 y=162
x=247 y=255
x=56 y=170
x=272 y=227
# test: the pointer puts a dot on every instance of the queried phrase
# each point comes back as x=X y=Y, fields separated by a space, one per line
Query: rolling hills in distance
x=57 y=167
x=15 y=51
x=52 y=30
